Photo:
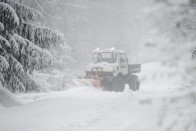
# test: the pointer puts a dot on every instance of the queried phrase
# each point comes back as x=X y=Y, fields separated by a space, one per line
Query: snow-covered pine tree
x=24 y=45
x=3 y=62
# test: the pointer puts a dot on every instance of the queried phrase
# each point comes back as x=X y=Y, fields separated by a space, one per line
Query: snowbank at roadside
x=54 y=81
x=165 y=78
x=7 y=99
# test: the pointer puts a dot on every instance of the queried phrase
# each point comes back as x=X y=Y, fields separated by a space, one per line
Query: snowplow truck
x=110 y=69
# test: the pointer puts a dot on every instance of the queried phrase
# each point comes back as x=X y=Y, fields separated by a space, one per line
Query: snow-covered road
x=89 y=109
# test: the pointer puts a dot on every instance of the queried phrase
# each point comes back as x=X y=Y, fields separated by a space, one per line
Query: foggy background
x=158 y=34
x=98 y=23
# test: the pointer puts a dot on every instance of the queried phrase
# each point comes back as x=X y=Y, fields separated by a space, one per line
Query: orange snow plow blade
x=96 y=82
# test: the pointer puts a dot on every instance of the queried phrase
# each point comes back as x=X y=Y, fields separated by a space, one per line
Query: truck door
x=123 y=64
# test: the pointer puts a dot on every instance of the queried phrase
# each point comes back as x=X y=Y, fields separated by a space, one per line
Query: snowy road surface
x=89 y=109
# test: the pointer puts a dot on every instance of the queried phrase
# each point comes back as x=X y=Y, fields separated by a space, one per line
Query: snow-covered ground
x=89 y=109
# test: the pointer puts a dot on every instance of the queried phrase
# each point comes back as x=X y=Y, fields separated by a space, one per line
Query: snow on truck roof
x=108 y=50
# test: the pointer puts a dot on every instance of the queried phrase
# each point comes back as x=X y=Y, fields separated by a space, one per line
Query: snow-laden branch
x=42 y=36
x=8 y=17
x=1 y=27
x=26 y=13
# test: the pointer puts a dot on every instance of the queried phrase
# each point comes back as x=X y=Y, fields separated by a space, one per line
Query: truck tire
x=118 y=84
x=134 y=83
x=137 y=84
x=107 y=85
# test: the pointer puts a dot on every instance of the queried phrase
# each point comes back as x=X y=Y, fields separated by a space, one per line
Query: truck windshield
x=104 y=57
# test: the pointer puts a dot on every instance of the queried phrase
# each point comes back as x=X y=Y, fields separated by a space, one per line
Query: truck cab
x=108 y=63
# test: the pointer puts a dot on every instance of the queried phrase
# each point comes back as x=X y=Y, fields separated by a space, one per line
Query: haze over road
x=89 y=109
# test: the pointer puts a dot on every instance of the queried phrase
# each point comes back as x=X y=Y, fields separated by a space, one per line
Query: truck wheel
x=137 y=84
x=107 y=85
x=118 y=84
x=134 y=83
